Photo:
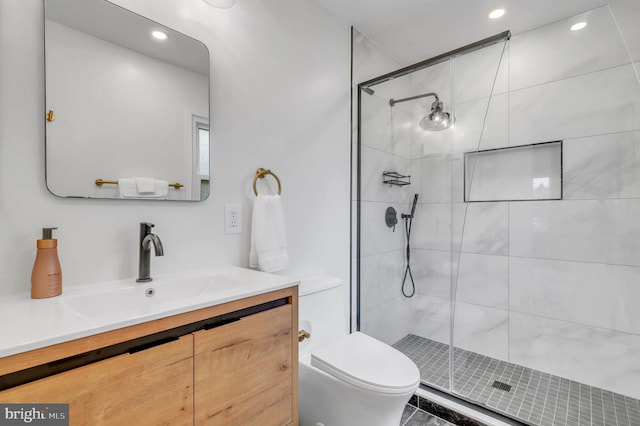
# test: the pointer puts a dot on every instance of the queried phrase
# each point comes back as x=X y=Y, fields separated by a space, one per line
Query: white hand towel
x=145 y=185
x=127 y=188
x=268 y=238
x=161 y=188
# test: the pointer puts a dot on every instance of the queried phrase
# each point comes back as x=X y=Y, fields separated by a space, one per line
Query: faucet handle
x=145 y=227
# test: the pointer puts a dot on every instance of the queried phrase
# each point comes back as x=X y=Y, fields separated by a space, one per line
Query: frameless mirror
x=127 y=105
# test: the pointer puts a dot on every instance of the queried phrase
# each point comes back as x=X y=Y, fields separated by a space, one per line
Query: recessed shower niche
x=518 y=173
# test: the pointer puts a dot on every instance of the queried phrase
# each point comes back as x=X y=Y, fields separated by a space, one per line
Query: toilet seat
x=367 y=363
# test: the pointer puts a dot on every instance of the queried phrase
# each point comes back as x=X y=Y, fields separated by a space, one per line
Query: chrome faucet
x=144 y=263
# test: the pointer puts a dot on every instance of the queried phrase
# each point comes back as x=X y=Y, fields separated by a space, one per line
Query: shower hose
x=408 y=219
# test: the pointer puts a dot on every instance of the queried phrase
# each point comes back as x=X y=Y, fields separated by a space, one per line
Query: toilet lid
x=367 y=363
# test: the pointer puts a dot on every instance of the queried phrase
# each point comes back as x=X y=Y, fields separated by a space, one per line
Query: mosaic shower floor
x=527 y=395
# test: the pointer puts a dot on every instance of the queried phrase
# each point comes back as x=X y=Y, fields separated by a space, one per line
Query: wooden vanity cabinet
x=153 y=386
x=229 y=364
x=243 y=371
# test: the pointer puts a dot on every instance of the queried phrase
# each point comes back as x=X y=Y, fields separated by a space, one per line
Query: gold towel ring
x=261 y=173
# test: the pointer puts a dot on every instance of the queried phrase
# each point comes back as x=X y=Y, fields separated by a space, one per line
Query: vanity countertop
x=86 y=310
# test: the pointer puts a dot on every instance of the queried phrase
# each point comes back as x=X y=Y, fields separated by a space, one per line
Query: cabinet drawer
x=244 y=371
x=150 y=387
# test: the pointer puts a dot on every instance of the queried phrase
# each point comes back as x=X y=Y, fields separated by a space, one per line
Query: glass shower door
x=413 y=310
x=545 y=324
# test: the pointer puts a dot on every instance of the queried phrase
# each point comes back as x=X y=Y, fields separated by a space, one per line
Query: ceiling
x=413 y=30
x=108 y=21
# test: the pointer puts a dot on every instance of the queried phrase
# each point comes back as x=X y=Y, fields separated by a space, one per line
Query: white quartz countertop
x=86 y=310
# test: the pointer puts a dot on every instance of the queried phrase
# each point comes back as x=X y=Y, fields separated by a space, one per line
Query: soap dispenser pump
x=46 y=277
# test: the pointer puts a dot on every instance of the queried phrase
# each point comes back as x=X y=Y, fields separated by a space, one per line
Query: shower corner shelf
x=395 y=178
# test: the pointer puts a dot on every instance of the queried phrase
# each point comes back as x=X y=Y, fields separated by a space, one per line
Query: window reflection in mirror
x=127 y=105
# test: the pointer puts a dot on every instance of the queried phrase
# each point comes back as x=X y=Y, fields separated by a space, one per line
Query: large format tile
x=481 y=228
x=375 y=236
x=626 y=13
x=433 y=79
x=384 y=128
x=602 y=231
x=478 y=227
x=436 y=179
x=476 y=328
x=483 y=280
x=481 y=73
x=481 y=124
x=570 y=291
x=431 y=271
x=369 y=60
x=592 y=104
x=595 y=356
x=431 y=318
x=482 y=330
x=554 y=52
x=431 y=227
x=380 y=278
x=606 y=166
x=388 y=322
x=373 y=164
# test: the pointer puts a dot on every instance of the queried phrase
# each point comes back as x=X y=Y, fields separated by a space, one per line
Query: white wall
x=280 y=100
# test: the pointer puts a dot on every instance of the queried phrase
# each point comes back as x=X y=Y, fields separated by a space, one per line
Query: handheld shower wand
x=408 y=220
x=413 y=208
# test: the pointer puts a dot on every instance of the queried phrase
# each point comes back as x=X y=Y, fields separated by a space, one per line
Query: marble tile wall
x=551 y=285
x=385 y=146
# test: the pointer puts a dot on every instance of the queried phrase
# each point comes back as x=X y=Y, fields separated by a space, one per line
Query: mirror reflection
x=128 y=105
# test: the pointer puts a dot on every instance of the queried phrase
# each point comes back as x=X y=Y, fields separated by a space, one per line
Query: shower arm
x=392 y=102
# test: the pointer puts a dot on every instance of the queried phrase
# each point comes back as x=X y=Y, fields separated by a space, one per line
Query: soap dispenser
x=46 y=277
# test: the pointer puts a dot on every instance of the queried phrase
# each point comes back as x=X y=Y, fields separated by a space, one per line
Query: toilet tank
x=321 y=311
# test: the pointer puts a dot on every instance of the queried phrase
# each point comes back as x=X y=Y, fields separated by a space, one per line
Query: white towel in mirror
x=145 y=185
x=128 y=188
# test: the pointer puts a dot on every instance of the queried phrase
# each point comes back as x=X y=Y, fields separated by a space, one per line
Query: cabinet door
x=150 y=387
x=244 y=371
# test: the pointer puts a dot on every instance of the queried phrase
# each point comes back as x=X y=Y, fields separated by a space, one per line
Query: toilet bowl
x=347 y=379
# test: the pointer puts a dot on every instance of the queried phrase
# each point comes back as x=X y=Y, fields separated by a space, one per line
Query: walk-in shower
x=524 y=251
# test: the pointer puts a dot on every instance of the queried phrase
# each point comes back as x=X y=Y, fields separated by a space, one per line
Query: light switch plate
x=232 y=222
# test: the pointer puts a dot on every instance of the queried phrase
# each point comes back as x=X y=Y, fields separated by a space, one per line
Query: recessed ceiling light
x=578 y=26
x=159 y=35
x=220 y=4
x=496 y=13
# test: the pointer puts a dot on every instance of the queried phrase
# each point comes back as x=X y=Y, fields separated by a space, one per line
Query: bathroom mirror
x=125 y=111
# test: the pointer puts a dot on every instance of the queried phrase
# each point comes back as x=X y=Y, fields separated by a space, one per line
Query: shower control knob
x=391 y=218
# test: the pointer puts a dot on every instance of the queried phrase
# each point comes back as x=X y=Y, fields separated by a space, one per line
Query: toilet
x=346 y=379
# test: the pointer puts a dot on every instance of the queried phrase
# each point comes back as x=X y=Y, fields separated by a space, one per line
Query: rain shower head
x=437 y=119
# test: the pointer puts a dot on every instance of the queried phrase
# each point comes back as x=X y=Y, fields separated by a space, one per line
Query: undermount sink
x=148 y=297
